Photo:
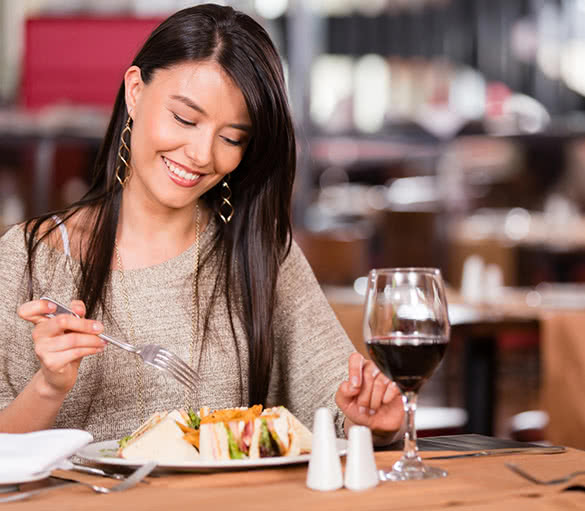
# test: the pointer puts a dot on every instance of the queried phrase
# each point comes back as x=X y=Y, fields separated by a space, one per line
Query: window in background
x=331 y=93
x=372 y=93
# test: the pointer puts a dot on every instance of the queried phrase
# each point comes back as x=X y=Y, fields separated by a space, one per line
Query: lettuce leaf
x=235 y=452
x=266 y=443
x=123 y=442
x=194 y=420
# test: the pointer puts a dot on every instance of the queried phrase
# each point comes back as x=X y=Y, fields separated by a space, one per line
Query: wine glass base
x=411 y=469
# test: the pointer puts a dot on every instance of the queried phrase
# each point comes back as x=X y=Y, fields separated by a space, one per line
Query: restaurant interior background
x=445 y=133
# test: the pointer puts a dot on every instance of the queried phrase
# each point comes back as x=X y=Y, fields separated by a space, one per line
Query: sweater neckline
x=178 y=261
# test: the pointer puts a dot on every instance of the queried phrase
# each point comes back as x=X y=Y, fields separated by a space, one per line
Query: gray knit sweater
x=311 y=348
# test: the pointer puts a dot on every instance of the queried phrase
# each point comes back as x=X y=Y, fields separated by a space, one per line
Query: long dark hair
x=253 y=245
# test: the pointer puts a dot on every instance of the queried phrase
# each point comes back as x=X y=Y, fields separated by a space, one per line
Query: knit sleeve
x=16 y=354
x=312 y=349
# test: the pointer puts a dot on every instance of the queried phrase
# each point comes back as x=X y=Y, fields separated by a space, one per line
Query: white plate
x=104 y=453
x=16 y=478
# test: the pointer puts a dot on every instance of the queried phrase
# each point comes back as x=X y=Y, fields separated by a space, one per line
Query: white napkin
x=22 y=456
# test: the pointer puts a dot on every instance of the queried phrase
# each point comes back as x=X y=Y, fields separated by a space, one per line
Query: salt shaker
x=324 y=472
x=361 y=472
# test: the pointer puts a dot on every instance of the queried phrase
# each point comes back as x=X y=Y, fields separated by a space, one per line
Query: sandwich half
x=250 y=434
x=159 y=439
x=301 y=436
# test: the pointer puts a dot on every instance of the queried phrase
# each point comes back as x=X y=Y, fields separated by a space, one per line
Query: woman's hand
x=370 y=399
x=60 y=343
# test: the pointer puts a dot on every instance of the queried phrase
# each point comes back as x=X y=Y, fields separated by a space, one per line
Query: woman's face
x=190 y=129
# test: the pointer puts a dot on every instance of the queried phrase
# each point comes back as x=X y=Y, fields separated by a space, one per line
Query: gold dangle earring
x=124 y=153
x=226 y=205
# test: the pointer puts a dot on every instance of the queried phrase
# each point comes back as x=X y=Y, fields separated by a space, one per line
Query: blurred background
x=445 y=133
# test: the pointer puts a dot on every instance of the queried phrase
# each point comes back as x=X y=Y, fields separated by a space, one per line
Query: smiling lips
x=180 y=175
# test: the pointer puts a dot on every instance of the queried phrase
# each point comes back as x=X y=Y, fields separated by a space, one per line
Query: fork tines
x=177 y=368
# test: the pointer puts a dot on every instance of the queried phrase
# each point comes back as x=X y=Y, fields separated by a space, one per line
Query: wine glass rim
x=410 y=269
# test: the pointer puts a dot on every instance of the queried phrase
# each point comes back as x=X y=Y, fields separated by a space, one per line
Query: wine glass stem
x=409 y=401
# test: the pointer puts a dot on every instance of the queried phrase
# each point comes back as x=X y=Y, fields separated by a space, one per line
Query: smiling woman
x=190 y=130
x=185 y=238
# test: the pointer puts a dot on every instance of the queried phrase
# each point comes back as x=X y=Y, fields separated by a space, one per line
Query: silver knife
x=502 y=452
x=95 y=471
x=99 y=472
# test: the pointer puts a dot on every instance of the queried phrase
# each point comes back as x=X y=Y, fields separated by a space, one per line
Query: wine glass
x=406 y=330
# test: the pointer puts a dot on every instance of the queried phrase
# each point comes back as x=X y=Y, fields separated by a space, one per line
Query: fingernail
x=52 y=306
x=355 y=381
x=385 y=380
x=371 y=412
x=96 y=326
x=362 y=410
x=375 y=372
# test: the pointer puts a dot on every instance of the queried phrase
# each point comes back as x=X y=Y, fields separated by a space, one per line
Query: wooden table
x=472 y=484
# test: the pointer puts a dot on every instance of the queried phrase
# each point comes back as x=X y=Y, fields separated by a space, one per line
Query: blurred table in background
x=529 y=247
x=337 y=257
x=44 y=148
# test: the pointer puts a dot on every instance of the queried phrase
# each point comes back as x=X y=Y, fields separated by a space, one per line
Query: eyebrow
x=191 y=104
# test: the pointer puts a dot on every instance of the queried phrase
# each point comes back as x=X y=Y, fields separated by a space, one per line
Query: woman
x=184 y=240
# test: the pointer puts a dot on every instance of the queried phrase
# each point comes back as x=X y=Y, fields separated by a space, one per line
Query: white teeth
x=180 y=172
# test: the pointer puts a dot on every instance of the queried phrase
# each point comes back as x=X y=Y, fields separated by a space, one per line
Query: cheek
x=228 y=160
x=151 y=136
x=162 y=136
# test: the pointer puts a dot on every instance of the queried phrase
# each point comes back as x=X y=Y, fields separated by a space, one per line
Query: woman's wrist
x=45 y=390
x=387 y=437
x=379 y=437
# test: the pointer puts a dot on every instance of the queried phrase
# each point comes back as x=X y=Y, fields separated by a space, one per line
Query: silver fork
x=131 y=481
x=558 y=480
x=151 y=354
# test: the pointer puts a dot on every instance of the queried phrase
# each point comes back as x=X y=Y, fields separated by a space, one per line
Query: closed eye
x=183 y=121
x=232 y=142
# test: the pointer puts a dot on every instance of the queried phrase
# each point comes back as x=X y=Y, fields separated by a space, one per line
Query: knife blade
x=96 y=471
x=502 y=452
x=99 y=472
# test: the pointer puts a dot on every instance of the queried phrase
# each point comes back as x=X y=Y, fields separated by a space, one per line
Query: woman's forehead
x=202 y=81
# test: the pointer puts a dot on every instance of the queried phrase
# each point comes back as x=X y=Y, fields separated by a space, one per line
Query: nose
x=199 y=149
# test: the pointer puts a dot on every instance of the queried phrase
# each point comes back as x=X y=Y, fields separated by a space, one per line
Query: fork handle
x=119 y=344
x=61 y=309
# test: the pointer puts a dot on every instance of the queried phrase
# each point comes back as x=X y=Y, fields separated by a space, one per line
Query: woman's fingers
x=56 y=362
x=69 y=341
x=372 y=390
x=367 y=389
x=392 y=391
x=36 y=310
x=356 y=364
x=78 y=307
x=55 y=353
x=62 y=341
x=66 y=338
x=379 y=387
x=66 y=322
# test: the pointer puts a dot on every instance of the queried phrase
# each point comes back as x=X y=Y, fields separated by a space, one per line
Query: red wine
x=408 y=360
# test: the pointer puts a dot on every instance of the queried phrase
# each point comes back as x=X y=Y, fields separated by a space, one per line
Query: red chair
x=79 y=60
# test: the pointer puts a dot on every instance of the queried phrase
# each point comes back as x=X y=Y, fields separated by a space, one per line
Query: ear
x=133 y=87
